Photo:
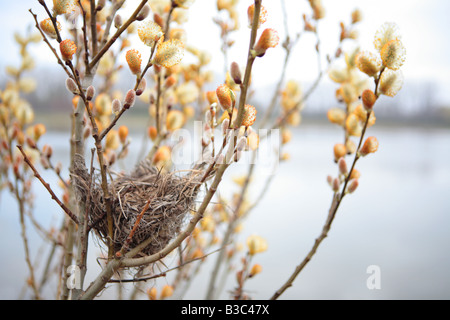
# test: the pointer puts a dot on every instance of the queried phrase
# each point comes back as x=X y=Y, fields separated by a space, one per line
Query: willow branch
x=337 y=200
x=85 y=39
x=123 y=110
x=248 y=68
x=44 y=37
x=53 y=19
x=116 y=35
x=94 y=27
x=109 y=20
x=47 y=186
x=164 y=273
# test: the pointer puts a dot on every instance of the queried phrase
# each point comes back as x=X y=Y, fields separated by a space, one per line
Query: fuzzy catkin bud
x=152 y=293
x=63 y=6
x=166 y=292
x=390 y=82
x=169 y=53
x=211 y=97
x=368 y=99
x=251 y=13
x=116 y=106
x=100 y=4
x=226 y=97
x=353 y=186
x=329 y=180
x=144 y=13
x=45 y=163
x=141 y=87
x=68 y=49
x=370 y=146
x=71 y=86
x=225 y=126
x=118 y=21
x=170 y=81
x=90 y=93
x=350 y=146
x=130 y=99
x=368 y=63
x=123 y=134
x=342 y=164
x=48 y=27
x=158 y=19
x=393 y=54
x=134 y=61
x=249 y=115
x=255 y=270
x=339 y=151
x=335 y=184
x=47 y=151
x=268 y=39
x=355 y=174
x=236 y=73
x=152 y=133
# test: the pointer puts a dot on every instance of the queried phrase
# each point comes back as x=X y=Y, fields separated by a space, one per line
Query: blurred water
x=398 y=219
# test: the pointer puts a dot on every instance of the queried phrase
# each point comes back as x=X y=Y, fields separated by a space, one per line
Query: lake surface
x=398 y=221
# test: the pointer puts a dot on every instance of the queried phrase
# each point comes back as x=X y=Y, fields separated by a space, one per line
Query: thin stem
x=68 y=257
x=116 y=35
x=44 y=37
x=53 y=19
x=123 y=110
x=47 y=186
x=164 y=273
x=83 y=233
x=248 y=68
x=109 y=20
x=167 y=25
x=85 y=39
x=94 y=27
x=337 y=200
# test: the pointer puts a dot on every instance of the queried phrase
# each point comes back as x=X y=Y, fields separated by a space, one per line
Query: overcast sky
x=424 y=25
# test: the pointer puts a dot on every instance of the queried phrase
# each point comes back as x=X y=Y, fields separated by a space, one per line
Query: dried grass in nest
x=171 y=198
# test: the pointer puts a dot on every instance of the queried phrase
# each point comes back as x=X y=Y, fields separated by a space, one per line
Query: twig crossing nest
x=171 y=197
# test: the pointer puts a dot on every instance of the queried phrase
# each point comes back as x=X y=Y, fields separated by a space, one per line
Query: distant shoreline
x=61 y=121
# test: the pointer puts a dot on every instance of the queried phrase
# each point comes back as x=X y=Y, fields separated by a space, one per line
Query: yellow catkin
x=149 y=32
x=48 y=27
x=256 y=244
x=166 y=292
x=251 y=14
x=134 y=61
x=370 y=146
x=249 y=115
x=169 y=53
x=268 y=39
x=63 y=6
x=68 y=49
x=393 y=54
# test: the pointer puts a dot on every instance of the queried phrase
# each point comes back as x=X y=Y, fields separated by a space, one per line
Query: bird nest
x=170 y=198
